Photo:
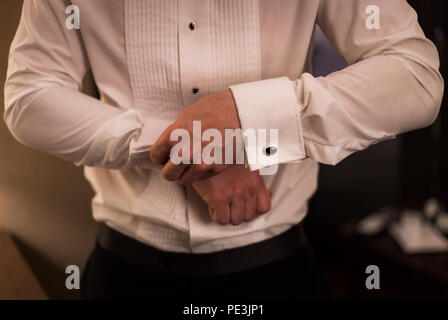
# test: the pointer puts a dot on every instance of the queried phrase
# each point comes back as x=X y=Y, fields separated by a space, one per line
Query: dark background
x=401 y=173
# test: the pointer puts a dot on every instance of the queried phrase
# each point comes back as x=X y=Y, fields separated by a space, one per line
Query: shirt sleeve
x=44 y=107
x=391 y=85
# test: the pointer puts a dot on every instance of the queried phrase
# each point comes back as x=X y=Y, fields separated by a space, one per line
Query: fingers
x=247 y=199
x=202 y=171
x=237 y=208
x=250 y=209
x=237 y=212
x=208 y=174
x=172 y=172
x=263 y=200
x=160 y=150
x=221 y=214
x=193 y=173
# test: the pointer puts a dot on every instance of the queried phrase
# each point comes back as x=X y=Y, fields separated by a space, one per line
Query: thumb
x=161 y=148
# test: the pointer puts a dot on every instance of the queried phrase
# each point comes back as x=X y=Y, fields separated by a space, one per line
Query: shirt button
x=192 y=25
x=269 y=151
x=195 y=90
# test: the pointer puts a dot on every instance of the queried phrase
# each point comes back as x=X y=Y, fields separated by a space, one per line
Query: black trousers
x=108 y=276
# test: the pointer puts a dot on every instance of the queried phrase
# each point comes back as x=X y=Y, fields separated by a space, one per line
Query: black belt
x=226 y=261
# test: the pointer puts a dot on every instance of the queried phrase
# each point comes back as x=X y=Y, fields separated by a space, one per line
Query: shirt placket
x=192 y=38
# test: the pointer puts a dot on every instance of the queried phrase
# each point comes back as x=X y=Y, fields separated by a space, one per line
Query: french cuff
x=140 y=147
x=269 y=110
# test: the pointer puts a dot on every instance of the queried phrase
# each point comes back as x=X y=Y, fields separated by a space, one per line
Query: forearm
x=370 y=101
x=392 y=85
x=74 y=126
x=81 y=129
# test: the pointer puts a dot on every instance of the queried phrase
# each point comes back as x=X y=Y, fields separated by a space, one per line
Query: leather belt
x=221 y=262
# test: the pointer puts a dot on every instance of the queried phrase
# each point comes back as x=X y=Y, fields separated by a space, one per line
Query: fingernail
x=212 y=214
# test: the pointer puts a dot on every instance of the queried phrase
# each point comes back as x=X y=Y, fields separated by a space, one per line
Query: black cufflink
x=269 y=151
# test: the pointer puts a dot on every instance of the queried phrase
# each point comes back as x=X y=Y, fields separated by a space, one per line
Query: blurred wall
x=44 y=201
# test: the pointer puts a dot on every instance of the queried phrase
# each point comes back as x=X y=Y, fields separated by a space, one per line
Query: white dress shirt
x=146 y=56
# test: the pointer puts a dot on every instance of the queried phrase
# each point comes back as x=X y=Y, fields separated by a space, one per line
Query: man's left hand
x=216 y=111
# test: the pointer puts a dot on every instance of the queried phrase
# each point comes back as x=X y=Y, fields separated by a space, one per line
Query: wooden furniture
x=17 y=281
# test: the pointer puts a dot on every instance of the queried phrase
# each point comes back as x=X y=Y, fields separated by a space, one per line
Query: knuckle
x=250 y=192
x=219 y=199
x=238 y=192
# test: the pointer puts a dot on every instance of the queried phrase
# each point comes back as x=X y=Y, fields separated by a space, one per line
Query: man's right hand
x=235 y=195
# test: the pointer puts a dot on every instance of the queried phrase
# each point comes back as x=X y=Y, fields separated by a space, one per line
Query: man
x=206 y=229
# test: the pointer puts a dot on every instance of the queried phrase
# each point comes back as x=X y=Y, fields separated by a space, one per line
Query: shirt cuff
x=139 y=148
x=270 y=106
